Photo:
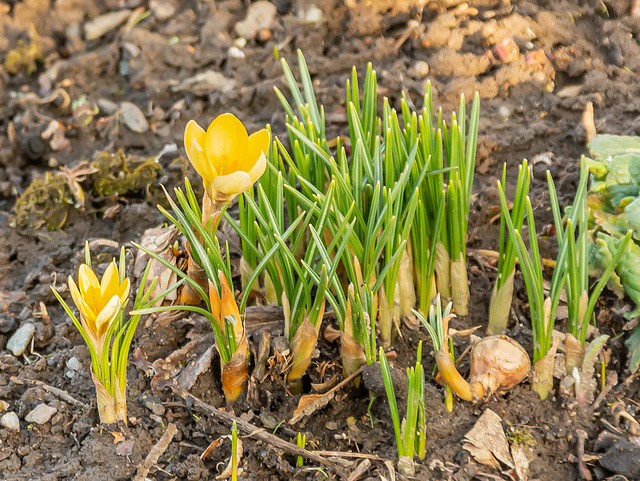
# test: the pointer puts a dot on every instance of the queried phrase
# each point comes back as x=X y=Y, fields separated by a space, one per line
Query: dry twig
x=155 y=453
x=64 y=395
x=252 y=431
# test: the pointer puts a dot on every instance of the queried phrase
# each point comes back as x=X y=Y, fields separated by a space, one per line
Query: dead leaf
x=309 y=404
x=325 y=386
x=214 y=444
x=486 y=441
x=521 y=461
x=186 y=363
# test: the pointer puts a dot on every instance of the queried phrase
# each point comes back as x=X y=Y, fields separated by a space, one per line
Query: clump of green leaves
x=411 y=433
x=502 y=294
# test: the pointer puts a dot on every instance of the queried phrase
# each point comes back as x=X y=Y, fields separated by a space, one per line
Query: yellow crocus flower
x=98 y=302
x=228 y=159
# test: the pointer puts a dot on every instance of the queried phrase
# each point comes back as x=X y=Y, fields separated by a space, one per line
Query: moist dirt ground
x=538 y=66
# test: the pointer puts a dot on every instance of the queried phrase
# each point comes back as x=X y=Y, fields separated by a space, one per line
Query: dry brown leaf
x=487 y=442
x=214 y=444
x=309 y=404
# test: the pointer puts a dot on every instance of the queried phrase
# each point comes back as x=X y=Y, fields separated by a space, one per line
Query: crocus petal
x=123 y=291
x=232 y=184
x=192 y=132
x=258 y=146
x=107 y=315
x=86 y=278
x=75 y=293
x=258 y=169
x=110 y=282
x=194 y=137
x=85 y=310
x=226 y=143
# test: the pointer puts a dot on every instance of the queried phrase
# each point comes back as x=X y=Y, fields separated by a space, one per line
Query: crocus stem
x=211 y=209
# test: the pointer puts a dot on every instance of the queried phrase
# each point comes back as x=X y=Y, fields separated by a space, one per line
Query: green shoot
x=411 y=433
x=502 y=294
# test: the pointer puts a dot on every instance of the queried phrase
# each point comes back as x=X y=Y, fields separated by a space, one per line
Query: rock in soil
x=260 y=15
x=20 y=340
x=623 y=458
x=41 y=414
x=10 y=421
x=103 y=24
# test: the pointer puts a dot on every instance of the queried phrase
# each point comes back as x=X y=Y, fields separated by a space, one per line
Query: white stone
x=20 y=340
x=74 y=364
x=41 y=414
x=10 y=421
x=97 y=27
x=260 y=15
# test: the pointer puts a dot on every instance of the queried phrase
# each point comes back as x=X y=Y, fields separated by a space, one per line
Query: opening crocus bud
x=228 y=159
x=498 y=363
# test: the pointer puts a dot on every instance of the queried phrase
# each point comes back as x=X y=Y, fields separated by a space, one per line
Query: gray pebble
x=41 y=414
x=74 y=364
x=20 y=340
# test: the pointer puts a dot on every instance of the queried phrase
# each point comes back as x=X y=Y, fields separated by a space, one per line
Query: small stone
x=41 y=414
x=420 y=69
x=10 y=421
x=125 y=448
x=623 y=458
x=133 y=117
x=4 y=405
x=162 y=9
x=74 y=364
x=107 y=107
x=260 y=15
x=313 y=15
x=505 y=111
x=70 y=374
x=331 y=426
x=281 y=345
x=507 y=50
x=7 y=322
x=103 y=24
x=155 y=406
x=234 y=52
x=20 y=340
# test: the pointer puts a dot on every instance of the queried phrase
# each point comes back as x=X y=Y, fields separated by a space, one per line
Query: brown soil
x=570 y=53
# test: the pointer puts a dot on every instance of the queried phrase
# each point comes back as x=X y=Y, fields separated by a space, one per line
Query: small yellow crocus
x=228 y=159
x=98 y=302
